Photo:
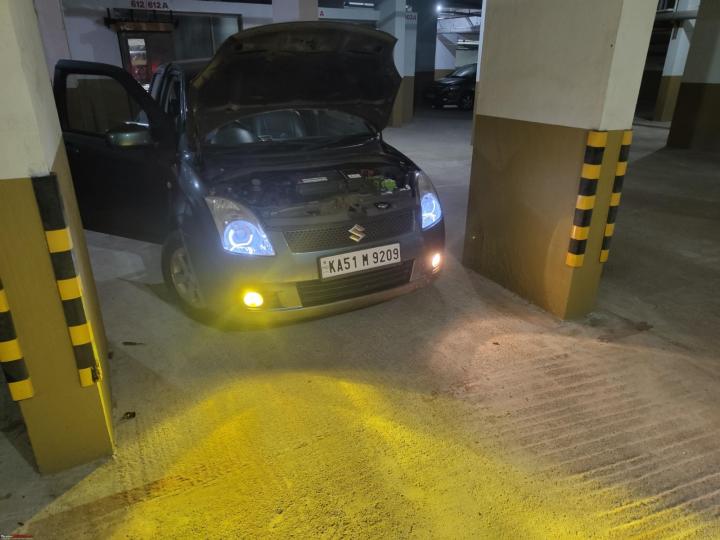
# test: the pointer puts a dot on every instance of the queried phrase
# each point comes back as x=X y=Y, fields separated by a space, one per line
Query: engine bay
x=324 y=193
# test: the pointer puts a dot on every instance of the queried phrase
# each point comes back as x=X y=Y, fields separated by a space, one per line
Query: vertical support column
x=392 y=20
x=675 y=63
x=551 y=114
x=67 y=416
x=425 y=46
x=407 y=87
x=696 y=121
x=294 y=10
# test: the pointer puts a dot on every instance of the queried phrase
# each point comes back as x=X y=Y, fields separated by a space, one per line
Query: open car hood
x=338 y=66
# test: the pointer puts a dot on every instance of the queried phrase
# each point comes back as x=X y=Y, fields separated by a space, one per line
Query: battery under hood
x=329 y=65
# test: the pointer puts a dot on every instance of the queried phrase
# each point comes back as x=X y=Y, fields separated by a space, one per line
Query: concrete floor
x=458 y=411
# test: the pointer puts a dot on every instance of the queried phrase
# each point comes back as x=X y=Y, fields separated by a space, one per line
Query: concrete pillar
x=294 y=10
x=46 y=276
x=675 y=63
x=551 y=143
x=696 y=121
x=392 y=19
x=425 y=46
x=408 y=85
x=445 y=49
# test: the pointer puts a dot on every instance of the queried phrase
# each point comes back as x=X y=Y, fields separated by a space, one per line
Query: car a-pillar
x=52 y=341
x=552 y=131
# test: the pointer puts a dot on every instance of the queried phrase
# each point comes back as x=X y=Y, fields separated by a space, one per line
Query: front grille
x=337 y=236
x=318 y=292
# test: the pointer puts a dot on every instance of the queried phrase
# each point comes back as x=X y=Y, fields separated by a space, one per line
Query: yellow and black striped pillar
x=538 y=133
x=585 y=204
x=549 y=201
x=69 y=286
x=46 y=276
x=11 y=357
x=620 y=170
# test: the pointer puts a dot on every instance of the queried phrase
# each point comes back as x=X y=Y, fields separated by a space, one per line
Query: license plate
x=357 y=261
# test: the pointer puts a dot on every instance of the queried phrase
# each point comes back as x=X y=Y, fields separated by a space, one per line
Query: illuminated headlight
x=240 y=231
x=429 y=202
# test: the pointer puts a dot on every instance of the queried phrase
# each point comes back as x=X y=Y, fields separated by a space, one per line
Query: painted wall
x=52 y=30
x=89 y=38
x=445 y=51
x=294 y=10
x=223 y=28
x=465 y=56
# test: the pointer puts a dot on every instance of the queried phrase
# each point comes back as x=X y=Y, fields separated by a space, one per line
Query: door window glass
x=98 y=103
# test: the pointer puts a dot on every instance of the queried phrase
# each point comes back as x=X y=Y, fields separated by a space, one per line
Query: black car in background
x=457 y=88
x=262 y=171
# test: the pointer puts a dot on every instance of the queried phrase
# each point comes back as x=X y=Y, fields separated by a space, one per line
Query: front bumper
x=442 y=97
x=225 y=277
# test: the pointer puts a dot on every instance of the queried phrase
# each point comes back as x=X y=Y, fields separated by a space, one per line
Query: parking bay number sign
x=357 y=261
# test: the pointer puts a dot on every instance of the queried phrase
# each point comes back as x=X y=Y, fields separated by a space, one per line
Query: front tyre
x=180 y=278
x=467 y=100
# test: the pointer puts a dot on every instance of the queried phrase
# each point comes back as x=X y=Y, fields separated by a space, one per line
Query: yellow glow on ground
x=307 y=455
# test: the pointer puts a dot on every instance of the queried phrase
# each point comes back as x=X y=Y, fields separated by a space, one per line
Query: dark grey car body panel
x=339 y=66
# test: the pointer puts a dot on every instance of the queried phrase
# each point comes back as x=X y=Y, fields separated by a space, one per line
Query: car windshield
x=321 y=126
x=464 y=71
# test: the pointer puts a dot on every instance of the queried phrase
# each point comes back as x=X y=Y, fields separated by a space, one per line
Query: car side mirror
x=129 y=135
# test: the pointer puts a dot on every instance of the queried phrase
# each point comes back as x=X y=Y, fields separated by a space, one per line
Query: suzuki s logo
x=357 y=233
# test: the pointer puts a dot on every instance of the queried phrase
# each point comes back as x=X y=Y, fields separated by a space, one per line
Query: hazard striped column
x=69 y=287
x=589 y=177
x=67 y=424
x=620 y=170
x=11 y=357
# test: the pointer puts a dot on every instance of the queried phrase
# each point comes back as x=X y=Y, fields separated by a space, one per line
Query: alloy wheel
x=184 y=280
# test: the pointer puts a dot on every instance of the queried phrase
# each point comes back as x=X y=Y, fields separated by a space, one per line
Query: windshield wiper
x=344 y=140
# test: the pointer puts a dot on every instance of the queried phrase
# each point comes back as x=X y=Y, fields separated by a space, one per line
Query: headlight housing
x=429 y=202
x=240 y=231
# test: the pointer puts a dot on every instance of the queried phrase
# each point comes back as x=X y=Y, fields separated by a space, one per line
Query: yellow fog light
x=253 y=299
x=435 y=261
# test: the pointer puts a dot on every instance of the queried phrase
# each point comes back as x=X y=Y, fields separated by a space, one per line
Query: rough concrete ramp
x=459 y=411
